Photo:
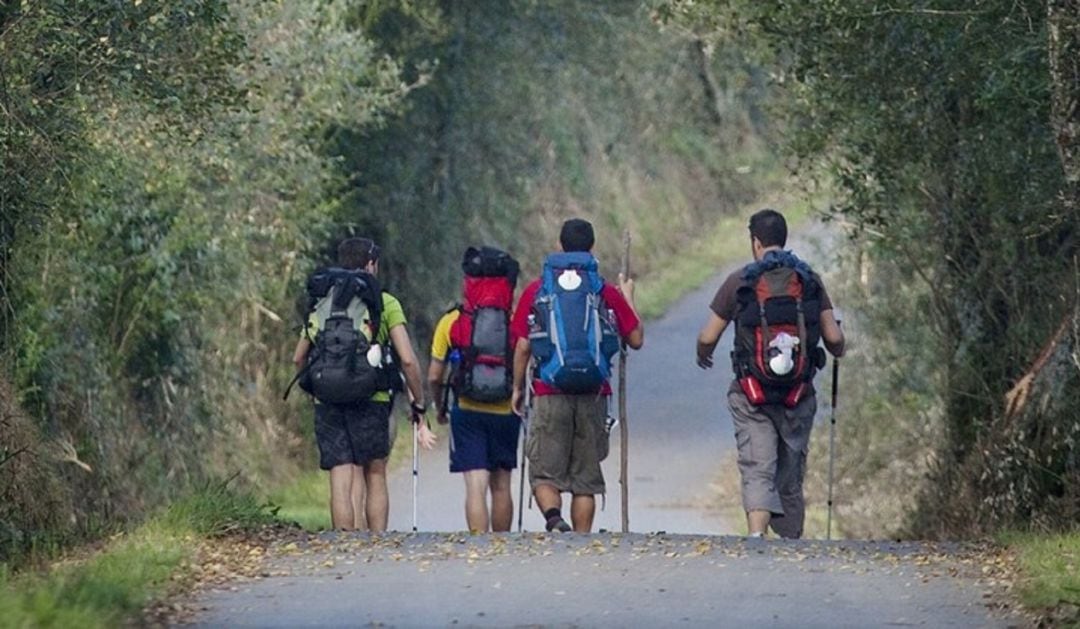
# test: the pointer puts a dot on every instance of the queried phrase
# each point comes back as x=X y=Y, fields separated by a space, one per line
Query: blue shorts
x=483 y=441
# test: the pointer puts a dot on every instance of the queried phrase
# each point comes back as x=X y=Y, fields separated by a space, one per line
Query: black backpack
x=344 y=364
x=777 y=329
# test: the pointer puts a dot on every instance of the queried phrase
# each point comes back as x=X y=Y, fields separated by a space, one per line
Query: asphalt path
x=602 y=580
x=683 y=566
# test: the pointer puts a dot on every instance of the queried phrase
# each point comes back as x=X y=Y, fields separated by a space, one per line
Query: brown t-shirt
x=724 y=303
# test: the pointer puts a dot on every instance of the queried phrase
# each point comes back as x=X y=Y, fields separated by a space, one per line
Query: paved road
x=534 y=580
x=680 y=429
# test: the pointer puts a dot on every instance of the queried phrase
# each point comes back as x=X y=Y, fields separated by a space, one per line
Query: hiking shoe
x=558 y=524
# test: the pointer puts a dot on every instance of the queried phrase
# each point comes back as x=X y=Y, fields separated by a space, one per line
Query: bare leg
x=582 y=509
x=476 y=510
x=359 y=517
x=378 y=498
x=757 y=521
x=547 y=497
x=502 y=501
x=341 y=506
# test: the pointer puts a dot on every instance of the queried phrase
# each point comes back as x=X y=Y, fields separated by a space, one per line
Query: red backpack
x=481 y=334
x=777 y=330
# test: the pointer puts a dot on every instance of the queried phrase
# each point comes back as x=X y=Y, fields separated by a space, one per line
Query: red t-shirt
x=625 y=320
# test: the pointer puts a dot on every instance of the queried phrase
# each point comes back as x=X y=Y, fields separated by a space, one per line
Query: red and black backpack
x=779 y=296
x=481 y=334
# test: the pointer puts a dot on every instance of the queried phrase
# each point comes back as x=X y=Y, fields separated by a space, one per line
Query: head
x=768 y=230
x=358 y=254
x=576 y=235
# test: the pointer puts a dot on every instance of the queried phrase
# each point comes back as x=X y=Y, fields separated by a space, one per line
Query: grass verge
x=1049 y=573
x=113 y=585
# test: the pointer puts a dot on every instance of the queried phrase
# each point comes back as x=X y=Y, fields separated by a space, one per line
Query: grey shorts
x=566 y=442
x=773 y=442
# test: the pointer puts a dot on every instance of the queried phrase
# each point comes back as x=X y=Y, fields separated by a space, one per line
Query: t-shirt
x=724 y=303
x=392 y=316
x=440 y=349
x=626 y=321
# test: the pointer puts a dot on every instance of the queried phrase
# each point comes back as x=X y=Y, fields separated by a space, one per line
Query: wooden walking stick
x=624 y=429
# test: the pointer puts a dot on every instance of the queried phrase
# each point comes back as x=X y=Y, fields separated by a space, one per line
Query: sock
x=552 y=513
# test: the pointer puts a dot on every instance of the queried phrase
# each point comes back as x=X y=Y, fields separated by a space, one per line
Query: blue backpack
x=572 y=334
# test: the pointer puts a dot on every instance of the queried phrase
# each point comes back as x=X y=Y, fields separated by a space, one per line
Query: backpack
x=344 y=363
x=777 y=329
x=481 y=334
x=575 y=335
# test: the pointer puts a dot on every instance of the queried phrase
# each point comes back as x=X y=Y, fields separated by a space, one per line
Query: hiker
x=352 y=374
x=781 y=311
x=568 y=325
x=472 y=354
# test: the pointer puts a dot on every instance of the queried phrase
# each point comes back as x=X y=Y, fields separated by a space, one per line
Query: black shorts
x=352 y=433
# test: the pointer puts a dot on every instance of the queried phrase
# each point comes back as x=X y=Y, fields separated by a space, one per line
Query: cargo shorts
x=773 y=442
x=566 y=441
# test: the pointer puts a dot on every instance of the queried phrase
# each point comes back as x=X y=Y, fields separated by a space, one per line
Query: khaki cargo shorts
x=566 y=442
x=773 y=442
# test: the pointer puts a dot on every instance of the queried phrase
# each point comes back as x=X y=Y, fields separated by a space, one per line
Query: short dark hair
x=769 y=227
x=577 y=235
x=356 y=253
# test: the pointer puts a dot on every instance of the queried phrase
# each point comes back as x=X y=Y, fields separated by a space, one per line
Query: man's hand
x=517 y=402
x=626 y=287
x=708 y=338
x=442 y=416
x=425 y=437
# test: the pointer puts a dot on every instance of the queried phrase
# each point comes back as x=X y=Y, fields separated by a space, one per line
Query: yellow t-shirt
x=393 y=315
x=440 y=348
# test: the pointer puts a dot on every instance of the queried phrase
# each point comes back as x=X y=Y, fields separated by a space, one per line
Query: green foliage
x=171 y=172
x=1050 y=568
x=304 y=501
x=215 y=510
x=186 y=183
x=536 y=112
x=936 y=125
x=114 y=585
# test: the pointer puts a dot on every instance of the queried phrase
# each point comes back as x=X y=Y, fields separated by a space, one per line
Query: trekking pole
x=624 y=429
x=832 y=445
x=521 y=481
x=524 y=442
x=415 y=465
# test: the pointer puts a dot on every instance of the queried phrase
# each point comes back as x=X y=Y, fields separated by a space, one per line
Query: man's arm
x=831 y=333
x=636 y=338
x=436 y=373
x=521 y=365
x=410 y=367
x=707 y=339
x=300 y=353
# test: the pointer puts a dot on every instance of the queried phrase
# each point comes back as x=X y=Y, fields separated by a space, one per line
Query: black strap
x=296 y=378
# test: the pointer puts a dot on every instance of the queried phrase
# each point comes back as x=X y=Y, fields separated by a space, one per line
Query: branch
x=13 y=455
x=1017 y=397
x=932 y=12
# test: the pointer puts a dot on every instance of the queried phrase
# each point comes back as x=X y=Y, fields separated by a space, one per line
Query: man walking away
x=345 y=360
x=781 y=312
x=483 y=430
x=569 y=323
